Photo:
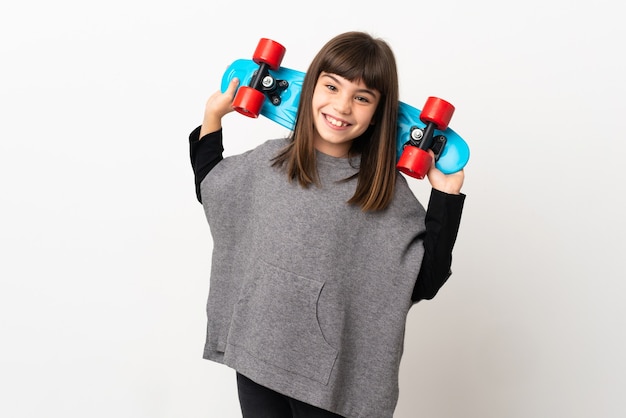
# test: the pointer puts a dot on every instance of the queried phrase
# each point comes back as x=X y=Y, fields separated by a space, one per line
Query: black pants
x=260 y=402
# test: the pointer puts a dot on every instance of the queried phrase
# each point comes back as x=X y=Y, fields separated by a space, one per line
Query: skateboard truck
x=264 y=82
x=415 y=160
x=420 y=139
x=249 y=99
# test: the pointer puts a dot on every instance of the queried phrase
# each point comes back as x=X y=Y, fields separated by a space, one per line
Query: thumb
x=232 y=86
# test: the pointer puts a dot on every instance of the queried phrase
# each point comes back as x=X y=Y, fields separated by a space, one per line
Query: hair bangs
x=364 y=63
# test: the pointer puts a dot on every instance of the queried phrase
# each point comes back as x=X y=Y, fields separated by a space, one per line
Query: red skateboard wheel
x=269 y=52
x=437 y=111
x=248 y=101
x=414 y=162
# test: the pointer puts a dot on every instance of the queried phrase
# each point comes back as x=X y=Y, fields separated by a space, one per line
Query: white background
x=105 y=251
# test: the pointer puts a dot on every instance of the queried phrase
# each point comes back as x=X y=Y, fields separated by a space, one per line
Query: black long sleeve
x=443 y=217
x=205 y=153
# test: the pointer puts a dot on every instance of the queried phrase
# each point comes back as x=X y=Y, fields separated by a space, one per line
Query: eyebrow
x=334 y=78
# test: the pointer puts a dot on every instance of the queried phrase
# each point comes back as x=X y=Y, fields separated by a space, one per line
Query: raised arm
x=443 y=218
x=205 y=142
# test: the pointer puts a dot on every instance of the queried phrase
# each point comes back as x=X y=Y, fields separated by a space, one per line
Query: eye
x=362 y=99
x=331 y=87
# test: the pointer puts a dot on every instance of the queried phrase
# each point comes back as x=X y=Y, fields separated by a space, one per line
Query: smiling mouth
x=336 y=122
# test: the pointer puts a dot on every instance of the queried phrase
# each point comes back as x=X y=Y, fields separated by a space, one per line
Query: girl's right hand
x=217 y=106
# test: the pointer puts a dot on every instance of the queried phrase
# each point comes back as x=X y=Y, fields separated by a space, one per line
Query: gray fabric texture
x=308 y=295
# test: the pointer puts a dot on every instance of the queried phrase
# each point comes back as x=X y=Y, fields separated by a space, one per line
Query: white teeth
x=335 y=122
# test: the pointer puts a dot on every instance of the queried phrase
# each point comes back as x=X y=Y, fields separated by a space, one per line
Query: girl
x=320 y=247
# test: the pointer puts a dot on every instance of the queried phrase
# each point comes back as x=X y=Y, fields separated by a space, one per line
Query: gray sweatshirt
x=308 y=295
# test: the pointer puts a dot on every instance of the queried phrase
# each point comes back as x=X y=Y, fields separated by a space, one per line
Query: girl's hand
x=447 y=183
x=217 y=106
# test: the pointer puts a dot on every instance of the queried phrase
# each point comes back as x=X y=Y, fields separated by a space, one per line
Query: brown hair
x=356 y=56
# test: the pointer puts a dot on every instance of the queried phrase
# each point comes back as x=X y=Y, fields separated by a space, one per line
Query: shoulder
x=238 y=174
x=244 y=169
x=267 y=149
x=271 y=147
x=403 y=190
x=257 y=156
x=404 y=201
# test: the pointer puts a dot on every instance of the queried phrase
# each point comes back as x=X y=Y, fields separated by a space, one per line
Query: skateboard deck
x=273 y=91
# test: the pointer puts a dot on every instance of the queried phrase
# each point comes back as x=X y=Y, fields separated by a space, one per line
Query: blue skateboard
x=267 y=89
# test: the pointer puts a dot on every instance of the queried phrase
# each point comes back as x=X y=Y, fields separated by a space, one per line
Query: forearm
x=443 y=218
x=211 y=123
x=205 y=152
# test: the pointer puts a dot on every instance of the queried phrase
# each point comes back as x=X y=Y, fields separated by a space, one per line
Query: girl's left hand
x=447 y=183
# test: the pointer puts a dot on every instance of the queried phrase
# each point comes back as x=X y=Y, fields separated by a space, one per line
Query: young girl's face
x=342 y=111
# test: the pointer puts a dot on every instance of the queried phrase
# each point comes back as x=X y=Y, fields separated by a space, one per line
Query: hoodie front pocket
x=276 y=321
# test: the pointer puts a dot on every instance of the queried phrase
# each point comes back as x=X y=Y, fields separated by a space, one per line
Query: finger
x=232 y=86
x=432 y=157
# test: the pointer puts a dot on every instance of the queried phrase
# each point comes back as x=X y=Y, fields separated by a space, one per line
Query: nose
x=343 y=104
